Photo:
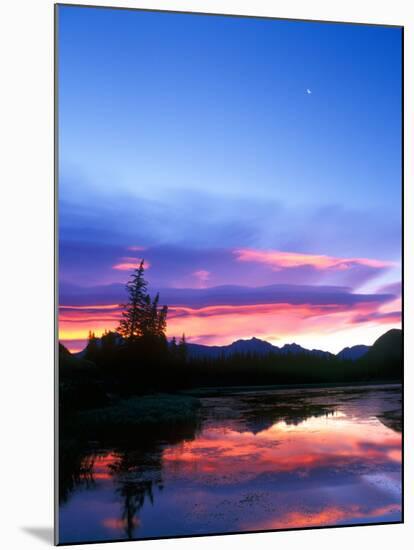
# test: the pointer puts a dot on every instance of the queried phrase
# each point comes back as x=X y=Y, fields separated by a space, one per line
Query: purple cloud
x=226 y=295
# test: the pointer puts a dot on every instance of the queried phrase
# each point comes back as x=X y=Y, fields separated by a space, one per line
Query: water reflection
x=76 y=469
x=262 y=460
x=136 y=474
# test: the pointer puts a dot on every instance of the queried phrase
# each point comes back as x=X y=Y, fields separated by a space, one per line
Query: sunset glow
x=219 y=325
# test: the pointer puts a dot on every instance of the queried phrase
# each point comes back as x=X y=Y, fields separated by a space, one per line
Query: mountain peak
x=354 y=352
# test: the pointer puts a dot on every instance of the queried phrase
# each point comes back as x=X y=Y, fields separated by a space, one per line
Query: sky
x=254 y=164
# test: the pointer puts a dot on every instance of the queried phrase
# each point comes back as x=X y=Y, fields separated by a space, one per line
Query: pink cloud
x=279 y=260
x=202 y=277
x=128 y=263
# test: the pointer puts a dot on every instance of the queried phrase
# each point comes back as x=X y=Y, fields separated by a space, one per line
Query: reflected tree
x=135 y=474
x=75 y=469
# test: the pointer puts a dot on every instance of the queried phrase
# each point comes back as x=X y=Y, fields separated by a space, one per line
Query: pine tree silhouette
x=135 y=311
x=92 y=346
x=182 y=349
x=141 y=317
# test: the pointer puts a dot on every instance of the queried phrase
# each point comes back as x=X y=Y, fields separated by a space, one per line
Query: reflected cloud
x=340 y=444
x=331 y=515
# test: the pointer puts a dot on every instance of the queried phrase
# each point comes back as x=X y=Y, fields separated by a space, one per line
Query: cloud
x=279 y=260
x=202 y=276
x=75 y=295
x=125 y=266
x=186 y=267
x=379 y=317
x=280 y=312
x=226 y=219
x=226 y=295
x=392 y=288
x=272 y=294
x=128 y=264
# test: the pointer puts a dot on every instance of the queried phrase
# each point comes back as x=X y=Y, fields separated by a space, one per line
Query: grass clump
x=159 y=415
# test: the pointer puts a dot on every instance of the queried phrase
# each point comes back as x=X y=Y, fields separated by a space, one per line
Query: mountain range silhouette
x=387 y=345
x=255 y=346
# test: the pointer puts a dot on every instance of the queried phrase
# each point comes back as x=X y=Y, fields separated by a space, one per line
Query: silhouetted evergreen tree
x=182 y=349
x=131 y=324
x=141 y=316
x=92 y=347
x=109 y=340
x=173 y=352
x=162 y=321
x=136 y=311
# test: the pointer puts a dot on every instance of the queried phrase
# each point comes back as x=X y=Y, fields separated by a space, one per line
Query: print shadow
x=45 y=534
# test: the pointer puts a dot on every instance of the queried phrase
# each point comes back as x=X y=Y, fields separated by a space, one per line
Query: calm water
x=260 y=460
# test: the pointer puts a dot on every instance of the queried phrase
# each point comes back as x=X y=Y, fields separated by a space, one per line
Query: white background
x=26 y=285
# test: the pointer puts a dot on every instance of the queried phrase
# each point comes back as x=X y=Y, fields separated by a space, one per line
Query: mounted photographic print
x=229 y=259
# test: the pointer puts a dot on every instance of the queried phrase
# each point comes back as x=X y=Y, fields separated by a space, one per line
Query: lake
x=260 y=459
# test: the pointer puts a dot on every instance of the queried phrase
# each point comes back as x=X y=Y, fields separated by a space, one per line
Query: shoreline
x=281 y=387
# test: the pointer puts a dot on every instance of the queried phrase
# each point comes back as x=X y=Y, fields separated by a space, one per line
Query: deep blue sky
x=193 y=135
x=154 y=103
